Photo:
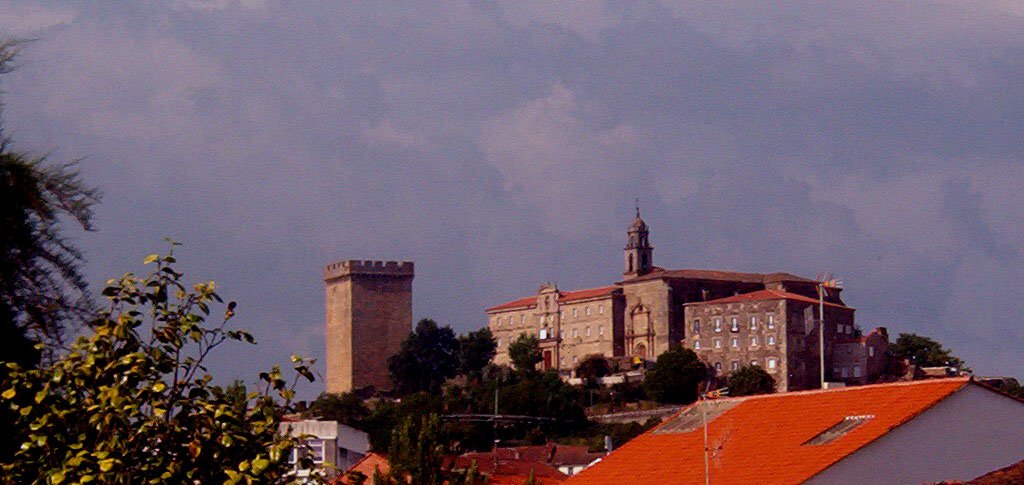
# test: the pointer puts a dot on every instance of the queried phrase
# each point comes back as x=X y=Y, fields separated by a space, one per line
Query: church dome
x=638 y=224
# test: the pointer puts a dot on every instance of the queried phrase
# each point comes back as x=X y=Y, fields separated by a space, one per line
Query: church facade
x=727 y=317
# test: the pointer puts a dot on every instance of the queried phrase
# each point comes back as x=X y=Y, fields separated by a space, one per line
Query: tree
x=749 y=380
x=674 y=376
x=131 y=401
x=924 y=352
x=417 y=454
x=345 y=408
x=592 y=368
x=525 y=353
x=42 y=289
x=476 y=349
x=426 y=359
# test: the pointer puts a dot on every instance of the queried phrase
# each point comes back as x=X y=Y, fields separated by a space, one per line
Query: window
x=734 y=324
x=843 y=372
x=600 y=309
x=575 y=333
x=696 y=326
x=522 y=318
x=718 y=366
x=735 y=342
x=499 y=341
x=849 y=329
x=734 y=366
x=771 y=321
x=588 y=330
x=696 y=344
x=574 y=312
x=510 y=320
x=315 y=451
x=600 y=330
x=771 y=340
x=753 y=322
x=541 y=318
x=718 y=324
x=718 y=343
x=871 y=351
x=561 y=315
x=772 y=363
x=543 y=333
x=586 y=310
x=575 y=360
x=753 y=341
x=856 y=371
x=840 y=328
x=838 y=430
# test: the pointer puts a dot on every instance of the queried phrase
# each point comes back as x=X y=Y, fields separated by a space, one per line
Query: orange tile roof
x=770 y=429
x=367 y=465
x=766 y=295
x=563 y=297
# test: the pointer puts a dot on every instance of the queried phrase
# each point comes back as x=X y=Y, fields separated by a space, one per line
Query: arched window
x=629 y=267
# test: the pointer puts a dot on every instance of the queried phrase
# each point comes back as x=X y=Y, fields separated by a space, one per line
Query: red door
x=547 y=359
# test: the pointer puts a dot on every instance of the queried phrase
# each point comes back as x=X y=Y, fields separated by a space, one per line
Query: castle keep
x=729 y=319
x=369 y=314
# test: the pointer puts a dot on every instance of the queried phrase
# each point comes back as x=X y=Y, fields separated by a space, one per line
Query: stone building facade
x=652 y=308
x=369 y=314
x=860 y=359
x=774 y=329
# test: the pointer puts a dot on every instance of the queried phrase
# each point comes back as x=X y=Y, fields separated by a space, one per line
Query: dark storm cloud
x=500 y=145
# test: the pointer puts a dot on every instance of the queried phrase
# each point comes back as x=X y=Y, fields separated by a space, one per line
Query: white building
x=332 y=444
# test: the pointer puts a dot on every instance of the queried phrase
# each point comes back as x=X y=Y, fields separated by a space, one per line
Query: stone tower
x=369 y=314
x=638 y=257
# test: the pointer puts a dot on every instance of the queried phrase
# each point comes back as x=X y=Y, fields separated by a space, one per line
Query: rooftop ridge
x=964 y=379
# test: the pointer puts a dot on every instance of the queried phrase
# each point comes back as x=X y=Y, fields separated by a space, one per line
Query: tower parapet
x=367 y=267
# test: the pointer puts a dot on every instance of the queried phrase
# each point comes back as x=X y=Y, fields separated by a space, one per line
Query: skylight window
x=838 y=430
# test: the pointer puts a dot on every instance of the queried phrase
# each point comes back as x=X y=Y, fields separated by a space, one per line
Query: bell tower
x=638 y=249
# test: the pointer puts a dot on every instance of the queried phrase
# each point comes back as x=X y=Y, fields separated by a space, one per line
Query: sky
x=501 y=145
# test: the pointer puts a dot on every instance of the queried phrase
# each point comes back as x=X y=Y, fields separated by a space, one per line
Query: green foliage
x=674 y=377
x=524 y=352
x=426 y=359
x=417 y=451
x=131 y=402
x=344 y=408
x=476 y=349
x=749 y=380
x=924 y=352
x=592 y=368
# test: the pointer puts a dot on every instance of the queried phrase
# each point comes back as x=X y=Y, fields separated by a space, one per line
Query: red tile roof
x=1011 y=474
x=563 y=297
x=766 y=295
x=769 y=429
x=510 y=471
x=367 y=466
x=716 y=275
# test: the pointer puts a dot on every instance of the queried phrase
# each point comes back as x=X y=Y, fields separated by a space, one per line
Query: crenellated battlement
x=368 y=267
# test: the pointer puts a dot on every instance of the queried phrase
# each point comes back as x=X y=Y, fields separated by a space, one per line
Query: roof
x=552 y=453
x=367 y=465
x=716 y=275
x=766 y=295
x=746 y=433
x=510 y=471
x=1011 y=474
x=563 y=297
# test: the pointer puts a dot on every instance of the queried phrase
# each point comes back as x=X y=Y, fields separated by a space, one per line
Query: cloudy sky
x=500 y=145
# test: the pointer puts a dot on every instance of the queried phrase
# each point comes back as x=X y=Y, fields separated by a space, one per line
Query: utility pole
x=826 y=281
